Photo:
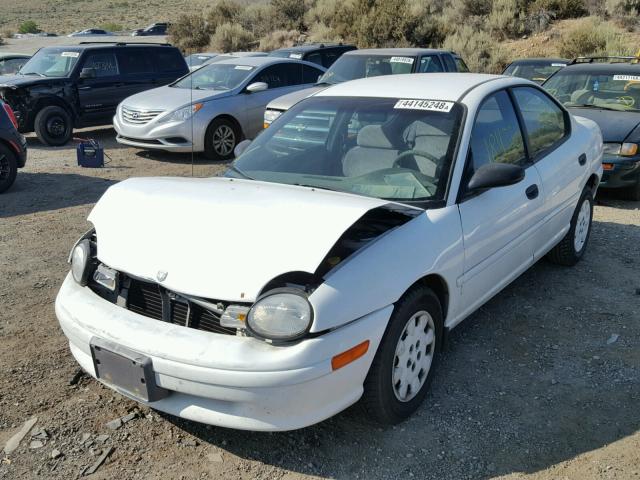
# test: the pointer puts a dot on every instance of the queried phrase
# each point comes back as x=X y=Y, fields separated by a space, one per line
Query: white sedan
x=329 y=262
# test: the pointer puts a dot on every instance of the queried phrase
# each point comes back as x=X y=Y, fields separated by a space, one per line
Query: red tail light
x=9 y=111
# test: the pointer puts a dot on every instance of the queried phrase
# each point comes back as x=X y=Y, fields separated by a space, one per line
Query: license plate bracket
x=125 y=370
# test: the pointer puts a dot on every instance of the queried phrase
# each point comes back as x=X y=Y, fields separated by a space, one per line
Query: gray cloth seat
x=373 y=151
x=428 y=138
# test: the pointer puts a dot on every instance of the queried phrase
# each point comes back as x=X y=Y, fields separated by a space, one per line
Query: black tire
x=53 y=126
x=633 y=193
x=380 y=399
x=8 y=168
x=221 y=139
x=566 y=252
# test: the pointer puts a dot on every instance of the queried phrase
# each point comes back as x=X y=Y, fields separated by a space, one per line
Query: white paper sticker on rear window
x=408 y=60
x=70 y=54
x=244 y=67
x=558 y=64
x=295 y=55
x=627 y=78
x=431 y=105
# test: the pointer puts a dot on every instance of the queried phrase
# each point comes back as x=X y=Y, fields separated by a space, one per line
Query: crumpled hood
x=171 y=98
x=220 y=238
x=615 y=126
x=18 y=81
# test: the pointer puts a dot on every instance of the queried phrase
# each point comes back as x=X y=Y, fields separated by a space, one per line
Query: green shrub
x=224 y=11
x=190 y=33
x=560 y=9
x=230 y=37
x=593 y=37
x=378 y=23
x=623 y=7
x=28 y=27
x=279 y=39
x=290 y=13
x=506 y=20
x=260 y=19
x=479 y=50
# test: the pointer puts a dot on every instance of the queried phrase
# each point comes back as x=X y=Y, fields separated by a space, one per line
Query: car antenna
x=190 y=57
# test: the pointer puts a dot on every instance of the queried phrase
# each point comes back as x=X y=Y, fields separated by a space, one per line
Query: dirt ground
x=533 y=386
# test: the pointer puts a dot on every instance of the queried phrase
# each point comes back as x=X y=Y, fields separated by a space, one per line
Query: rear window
x=168 y=60
x=134 y=61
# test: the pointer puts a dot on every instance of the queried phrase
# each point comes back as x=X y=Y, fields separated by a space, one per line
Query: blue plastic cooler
x=90 y=154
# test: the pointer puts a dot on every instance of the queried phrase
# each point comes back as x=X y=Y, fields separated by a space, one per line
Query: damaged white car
x=331 y=259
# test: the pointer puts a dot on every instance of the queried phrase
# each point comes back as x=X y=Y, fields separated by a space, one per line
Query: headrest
x=372 y=136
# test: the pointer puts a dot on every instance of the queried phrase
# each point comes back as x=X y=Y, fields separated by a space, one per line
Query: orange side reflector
x=607 y=166
x=345 y=358
x=265 y=125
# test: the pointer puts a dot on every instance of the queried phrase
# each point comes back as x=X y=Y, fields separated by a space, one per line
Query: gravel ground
x=542 y=383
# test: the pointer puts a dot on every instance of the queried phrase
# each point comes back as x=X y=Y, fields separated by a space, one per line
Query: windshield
x=351 y=67
x=197 y=59
x=537 y=72
x=51 y=62
x=397 y=149
x=597 y=89
x=216 y=76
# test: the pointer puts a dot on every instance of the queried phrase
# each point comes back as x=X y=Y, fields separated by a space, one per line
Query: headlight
x=270 y=116
x=625 y=149
x=181 y=114
x=80 y=262
x=611 y=148
x=282 y=314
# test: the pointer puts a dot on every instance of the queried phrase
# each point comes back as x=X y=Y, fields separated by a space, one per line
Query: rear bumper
x=625 y=172
x=18 y=144
x=236 y=382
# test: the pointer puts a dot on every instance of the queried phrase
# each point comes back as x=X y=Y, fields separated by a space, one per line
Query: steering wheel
x=626 y=100
x=410 y=153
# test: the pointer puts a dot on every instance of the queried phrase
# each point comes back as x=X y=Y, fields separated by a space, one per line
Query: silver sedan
x=212 y=109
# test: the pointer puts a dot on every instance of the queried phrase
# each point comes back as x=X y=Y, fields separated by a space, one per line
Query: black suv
x=159 y=28
x=13 y=147
x=62 y=88
x=320 y=53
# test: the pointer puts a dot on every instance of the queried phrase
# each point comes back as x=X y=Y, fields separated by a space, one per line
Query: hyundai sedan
x=330 y=261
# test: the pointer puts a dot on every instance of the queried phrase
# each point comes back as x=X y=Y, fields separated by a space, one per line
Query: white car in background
x=343 y=243
x=91 y=32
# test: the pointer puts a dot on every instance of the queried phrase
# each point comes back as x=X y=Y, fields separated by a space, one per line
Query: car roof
x=307 y=47
x=14 y=55
x=104 y=44
x=411 y=52
x=436 y=86
x=261 y=61
x=602 y=67
x=539 y=60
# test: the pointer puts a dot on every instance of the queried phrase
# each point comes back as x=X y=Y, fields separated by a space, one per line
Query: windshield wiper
x=34 y=73
x=591 y=105
x=319 y=84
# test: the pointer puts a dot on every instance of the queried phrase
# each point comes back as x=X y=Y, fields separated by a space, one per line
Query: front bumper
x=160 y=136
x=625 y=172
x=236 y=382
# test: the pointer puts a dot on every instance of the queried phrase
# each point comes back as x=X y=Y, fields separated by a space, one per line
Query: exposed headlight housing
x=282 y=314
x=182 y=114
x=80 y=257
x=270 y=116
x=622 y=149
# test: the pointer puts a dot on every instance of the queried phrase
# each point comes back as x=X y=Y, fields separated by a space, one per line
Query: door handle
x=532 y=191
x=582 y=159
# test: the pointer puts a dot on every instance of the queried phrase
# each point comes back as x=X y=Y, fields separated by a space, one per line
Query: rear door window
x=103 y=63
x=134 y=61
x=167 y=59
x=448 y=61
x=314 y=57
x=282 y=75
x=430 y=64
x=310 y=74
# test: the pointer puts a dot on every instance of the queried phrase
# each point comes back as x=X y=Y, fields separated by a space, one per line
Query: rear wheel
x=402 y=369
x=53 y=126
x=8 y=168
x=221 y=139
x=572 y=247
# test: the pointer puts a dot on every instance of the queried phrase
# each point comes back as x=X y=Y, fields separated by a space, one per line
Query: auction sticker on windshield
x=70 y=54
x=634 y=78
x=244 y=67
x=432 y=105
x=295 y=55
x=408 y=60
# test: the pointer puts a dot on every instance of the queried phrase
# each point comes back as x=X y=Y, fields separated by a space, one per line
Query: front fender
x=380 y=273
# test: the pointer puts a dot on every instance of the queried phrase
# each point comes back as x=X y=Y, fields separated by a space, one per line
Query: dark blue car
x=607 y=92
x=13 y=147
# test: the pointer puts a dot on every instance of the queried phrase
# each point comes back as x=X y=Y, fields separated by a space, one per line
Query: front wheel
x=402 y=369
x=8 y=168
x=572 y=247
x=221 y=139
x=53 y=126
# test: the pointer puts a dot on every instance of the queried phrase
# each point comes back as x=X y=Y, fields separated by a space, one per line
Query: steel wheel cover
x=582 y=226
x=224 y=140
x=413 y=356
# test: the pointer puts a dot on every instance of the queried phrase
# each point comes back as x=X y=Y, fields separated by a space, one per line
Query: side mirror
x=241 y=147
x=88 y=73
x=492 y=175
x=257 y=87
